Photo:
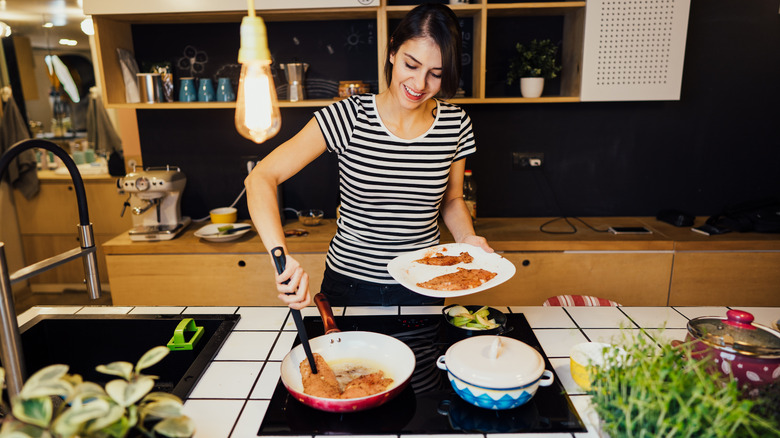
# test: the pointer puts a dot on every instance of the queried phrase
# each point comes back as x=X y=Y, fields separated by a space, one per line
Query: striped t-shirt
x=391 y=188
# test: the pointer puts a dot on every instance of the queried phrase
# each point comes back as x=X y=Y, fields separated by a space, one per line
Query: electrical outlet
x=527 y=160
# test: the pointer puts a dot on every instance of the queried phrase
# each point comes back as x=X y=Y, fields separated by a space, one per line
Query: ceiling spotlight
x=5 y=30
x=48 y=24
x=67 y=42
x=87 y=26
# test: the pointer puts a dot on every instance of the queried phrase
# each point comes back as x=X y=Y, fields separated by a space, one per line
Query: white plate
x=204 y=232
x=405 y=271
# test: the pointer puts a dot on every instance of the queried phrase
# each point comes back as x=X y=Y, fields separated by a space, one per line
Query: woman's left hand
x=478 y=241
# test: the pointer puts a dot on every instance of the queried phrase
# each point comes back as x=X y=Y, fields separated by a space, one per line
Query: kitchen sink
x=85 y=341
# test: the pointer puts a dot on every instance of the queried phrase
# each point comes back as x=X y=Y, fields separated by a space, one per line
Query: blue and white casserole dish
x=494 y=372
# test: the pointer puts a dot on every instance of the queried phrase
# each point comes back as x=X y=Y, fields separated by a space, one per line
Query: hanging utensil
x=280 y=260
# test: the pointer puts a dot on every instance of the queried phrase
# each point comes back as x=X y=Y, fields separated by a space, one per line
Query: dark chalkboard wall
x=719 y=144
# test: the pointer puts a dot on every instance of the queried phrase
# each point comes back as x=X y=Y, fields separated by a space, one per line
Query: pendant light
x=257 y=110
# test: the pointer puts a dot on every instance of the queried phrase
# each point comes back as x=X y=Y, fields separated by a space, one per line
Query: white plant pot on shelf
x=531 y=87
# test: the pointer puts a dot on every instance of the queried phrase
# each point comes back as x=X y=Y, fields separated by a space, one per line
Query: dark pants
x=347 y=291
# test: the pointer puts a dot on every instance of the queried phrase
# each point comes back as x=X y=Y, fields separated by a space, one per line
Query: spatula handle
x=280 y=260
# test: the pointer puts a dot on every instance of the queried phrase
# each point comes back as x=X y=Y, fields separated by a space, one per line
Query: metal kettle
x=294 y=72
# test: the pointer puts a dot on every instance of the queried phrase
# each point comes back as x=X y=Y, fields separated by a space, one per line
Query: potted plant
x=53 y=403
x=532 y=64
x=660 y=390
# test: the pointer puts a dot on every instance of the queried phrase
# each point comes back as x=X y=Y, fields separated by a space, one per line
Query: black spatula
x=280 y=260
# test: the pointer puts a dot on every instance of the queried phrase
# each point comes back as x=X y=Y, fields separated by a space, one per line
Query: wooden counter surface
x=504 y=234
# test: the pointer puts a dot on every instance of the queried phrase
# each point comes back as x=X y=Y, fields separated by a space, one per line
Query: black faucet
x=10 y=340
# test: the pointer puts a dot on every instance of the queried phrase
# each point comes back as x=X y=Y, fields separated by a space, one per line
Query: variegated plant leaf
x=158 y=396
x=179 y=427
x=37 y=411
x=121 y=369
x=46 y=388
x=115 y=413
x=163 y=409
x=73 y=420
x=51 y=373
x=87 y=390
x=151 y=357
x=127 y=393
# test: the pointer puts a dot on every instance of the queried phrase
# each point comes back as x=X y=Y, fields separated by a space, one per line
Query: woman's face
x=417 y=70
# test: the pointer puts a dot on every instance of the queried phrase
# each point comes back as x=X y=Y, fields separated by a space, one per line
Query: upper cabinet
x=341 y=40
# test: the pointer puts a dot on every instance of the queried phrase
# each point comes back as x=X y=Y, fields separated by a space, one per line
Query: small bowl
x=223 y=215
x=458 y=333
x=583 y=357
x=310 y=218
x=495 y=372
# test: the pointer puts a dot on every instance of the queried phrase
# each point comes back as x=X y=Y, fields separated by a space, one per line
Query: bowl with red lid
x=737 y=346
x=494 y=372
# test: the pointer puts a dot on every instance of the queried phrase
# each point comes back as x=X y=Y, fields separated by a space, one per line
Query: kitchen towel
x=101 y=135
x=23 y=170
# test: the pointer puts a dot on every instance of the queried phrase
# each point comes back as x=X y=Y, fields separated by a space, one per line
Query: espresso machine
x=154 y=202
x=294 y=72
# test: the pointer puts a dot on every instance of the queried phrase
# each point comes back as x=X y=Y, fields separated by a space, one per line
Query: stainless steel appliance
x=294 y=72
x=155 y=202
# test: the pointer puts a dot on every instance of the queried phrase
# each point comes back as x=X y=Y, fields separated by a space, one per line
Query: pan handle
x=328 y=321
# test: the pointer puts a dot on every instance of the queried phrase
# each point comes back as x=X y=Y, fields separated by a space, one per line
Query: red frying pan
x=373 y=350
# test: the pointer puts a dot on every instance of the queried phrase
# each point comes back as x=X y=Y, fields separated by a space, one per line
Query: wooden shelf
x=116 y=31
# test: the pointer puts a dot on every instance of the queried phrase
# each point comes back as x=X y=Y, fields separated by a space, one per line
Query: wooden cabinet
x=113 y=31
x=671 y=266
x=49 y=226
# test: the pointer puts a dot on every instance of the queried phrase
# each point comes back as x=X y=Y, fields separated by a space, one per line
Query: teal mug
x=187 y=92
x=225 y=90
x=205 y=90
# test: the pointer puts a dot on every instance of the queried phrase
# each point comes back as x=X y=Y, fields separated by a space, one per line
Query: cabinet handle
x=241 y=263
x=526 y=262
x=70 y=188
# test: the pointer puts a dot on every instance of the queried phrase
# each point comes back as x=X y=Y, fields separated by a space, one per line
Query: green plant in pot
x=56 y=404
x=664 y=391
x=532 y=64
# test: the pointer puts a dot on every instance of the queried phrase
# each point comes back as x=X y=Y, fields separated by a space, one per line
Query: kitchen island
x=232 y=396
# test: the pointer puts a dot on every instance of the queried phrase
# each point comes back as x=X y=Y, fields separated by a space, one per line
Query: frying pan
x=374 y=350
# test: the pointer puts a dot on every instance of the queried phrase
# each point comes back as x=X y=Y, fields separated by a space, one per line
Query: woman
x=401 y=160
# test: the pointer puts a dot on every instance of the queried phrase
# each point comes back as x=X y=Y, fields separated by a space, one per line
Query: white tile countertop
x=236 y=388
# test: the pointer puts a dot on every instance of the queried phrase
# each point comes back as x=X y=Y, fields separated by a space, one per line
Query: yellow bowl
x=224 y=215
x=583 y=357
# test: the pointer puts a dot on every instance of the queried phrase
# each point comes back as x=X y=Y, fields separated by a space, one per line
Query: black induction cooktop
x=428 y=405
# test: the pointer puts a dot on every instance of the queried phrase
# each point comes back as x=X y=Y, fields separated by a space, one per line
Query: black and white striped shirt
x=391 y=188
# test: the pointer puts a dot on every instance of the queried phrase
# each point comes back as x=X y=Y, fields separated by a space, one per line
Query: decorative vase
x=531 y=87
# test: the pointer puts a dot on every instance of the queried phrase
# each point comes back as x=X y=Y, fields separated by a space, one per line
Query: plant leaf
x=151 y=357
x=127 y=393
x=42 y=377
x=121 y=369
x=114 y=415
x=162 y=409
x=73 y=419
x=179 y=427
x=36 y=411
x=44 y=389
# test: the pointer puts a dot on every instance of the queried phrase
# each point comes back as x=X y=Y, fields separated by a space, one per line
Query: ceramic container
x=205 y=90
x=223 y=215
x=494 y=372
x=187 y=91
x=456 y=333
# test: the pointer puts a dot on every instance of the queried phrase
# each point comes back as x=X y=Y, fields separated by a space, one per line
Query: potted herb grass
x=53 y=403
x=661 y=391
x=532 y=64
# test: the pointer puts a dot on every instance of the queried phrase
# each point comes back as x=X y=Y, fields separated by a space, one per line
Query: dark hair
x=438 y=22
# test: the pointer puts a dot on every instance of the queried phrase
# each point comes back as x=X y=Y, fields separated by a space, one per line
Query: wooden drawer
x=201 y=279
x=630 y=278
x=726 y=278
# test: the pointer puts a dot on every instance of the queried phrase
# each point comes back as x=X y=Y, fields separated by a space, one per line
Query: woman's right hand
x=295 y=293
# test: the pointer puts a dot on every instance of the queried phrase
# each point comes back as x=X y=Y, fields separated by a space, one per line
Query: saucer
x=209 y=232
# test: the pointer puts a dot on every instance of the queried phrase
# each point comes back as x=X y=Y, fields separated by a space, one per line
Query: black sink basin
x=84 y=342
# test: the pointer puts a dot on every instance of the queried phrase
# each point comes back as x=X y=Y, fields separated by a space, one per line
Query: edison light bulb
x=257 y=110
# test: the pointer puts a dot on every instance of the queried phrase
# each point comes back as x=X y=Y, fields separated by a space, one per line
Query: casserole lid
x=494 y=362
x=736 y=334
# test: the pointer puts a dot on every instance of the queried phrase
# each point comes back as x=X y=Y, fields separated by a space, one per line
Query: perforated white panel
x=634 y=49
